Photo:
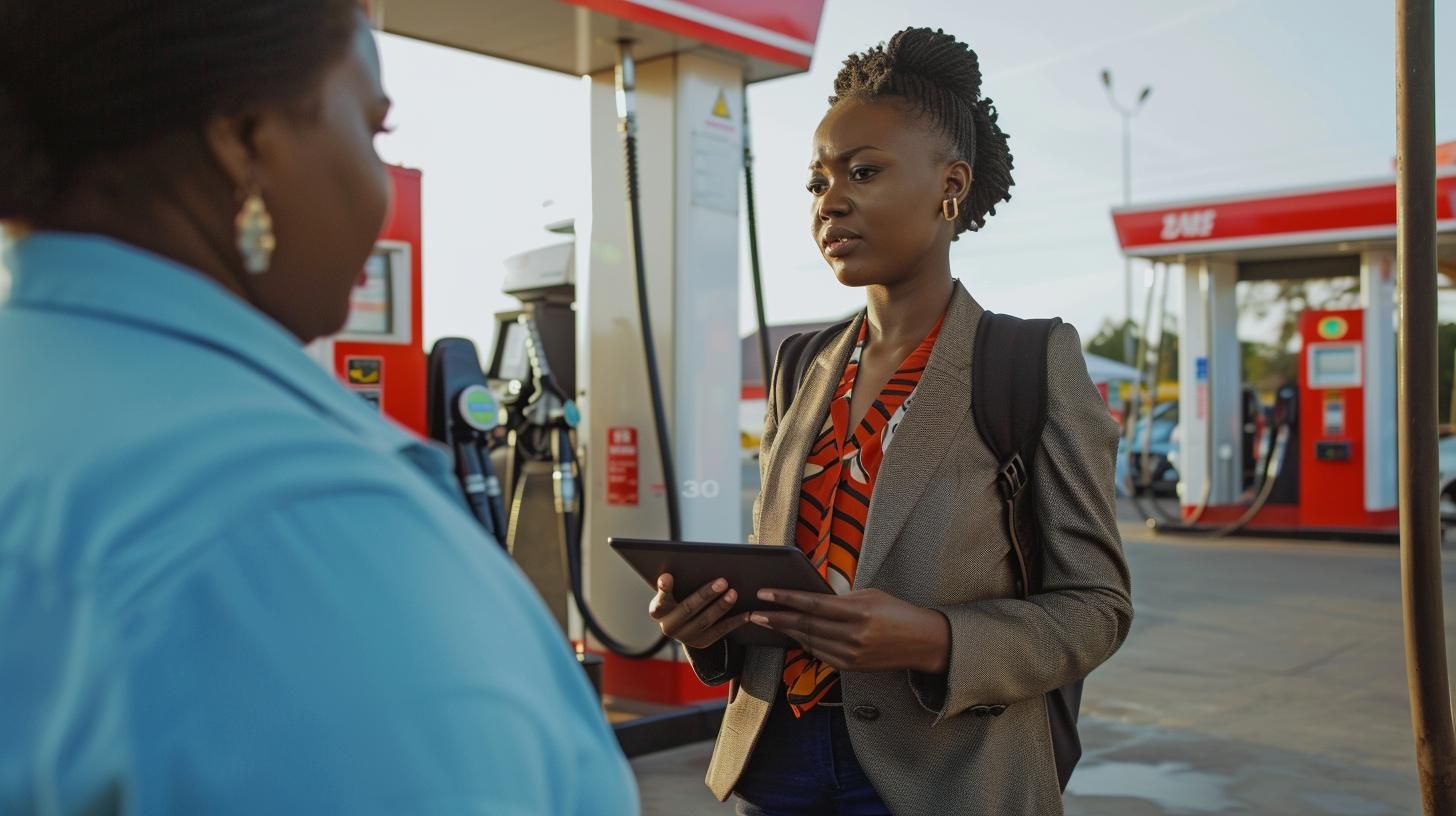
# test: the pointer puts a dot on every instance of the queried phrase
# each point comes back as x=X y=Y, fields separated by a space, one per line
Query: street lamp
x=1127 y=114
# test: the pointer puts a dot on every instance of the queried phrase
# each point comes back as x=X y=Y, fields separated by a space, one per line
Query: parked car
x=1161 y=447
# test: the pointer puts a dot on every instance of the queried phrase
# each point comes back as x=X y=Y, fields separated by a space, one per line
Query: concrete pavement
x=1259 y=677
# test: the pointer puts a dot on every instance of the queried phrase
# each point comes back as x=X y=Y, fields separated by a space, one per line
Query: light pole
x=1420 y=516
x=1127 y=114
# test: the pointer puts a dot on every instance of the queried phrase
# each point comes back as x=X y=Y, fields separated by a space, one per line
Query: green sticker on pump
x=1333 y=328
x=478 y=408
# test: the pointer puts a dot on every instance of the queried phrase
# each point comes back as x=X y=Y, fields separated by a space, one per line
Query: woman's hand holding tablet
x=691 y=609
x=699 y=620
x=863 y=631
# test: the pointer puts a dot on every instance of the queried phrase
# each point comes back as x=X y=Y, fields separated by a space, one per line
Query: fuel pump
x=1286 y=414
x=540 y=416
x=539 y=432
x=1263 y=480
x=463 y=414
x=541 y=419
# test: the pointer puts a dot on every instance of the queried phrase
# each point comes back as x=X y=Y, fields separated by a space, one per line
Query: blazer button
x=867 y=712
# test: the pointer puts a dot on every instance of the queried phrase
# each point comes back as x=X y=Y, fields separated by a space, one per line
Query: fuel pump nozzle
x=476 y=410
x=551 y=412
x=463 y=414
x=564 y=475
x=548 y=402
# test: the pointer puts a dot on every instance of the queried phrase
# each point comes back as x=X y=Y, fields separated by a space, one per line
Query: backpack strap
x=795 y=354
x=1009 y=403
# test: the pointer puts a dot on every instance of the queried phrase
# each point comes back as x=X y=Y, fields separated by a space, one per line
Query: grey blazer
x=974 y=740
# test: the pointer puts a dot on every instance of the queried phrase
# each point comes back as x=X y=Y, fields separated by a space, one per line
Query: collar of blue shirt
x=104 y=278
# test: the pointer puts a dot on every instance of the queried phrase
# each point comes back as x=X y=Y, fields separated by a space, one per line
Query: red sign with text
x=622 y=466
x=1342 y=214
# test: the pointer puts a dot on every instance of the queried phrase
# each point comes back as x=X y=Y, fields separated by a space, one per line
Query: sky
x=1247 y=95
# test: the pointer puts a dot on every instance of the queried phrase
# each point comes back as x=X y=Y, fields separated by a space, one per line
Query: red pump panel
x=380 y=354
x=1332 y=419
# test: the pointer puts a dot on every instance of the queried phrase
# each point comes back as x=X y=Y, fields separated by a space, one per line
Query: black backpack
x=1010 y=361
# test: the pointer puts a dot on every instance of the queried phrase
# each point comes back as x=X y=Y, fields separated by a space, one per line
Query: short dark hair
x=84 y=81
x=940 y=77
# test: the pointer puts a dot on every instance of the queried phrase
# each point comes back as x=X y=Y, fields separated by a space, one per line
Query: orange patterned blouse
x=834 y=502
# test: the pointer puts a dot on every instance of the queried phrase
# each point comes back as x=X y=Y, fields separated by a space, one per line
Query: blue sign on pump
x=1200 y=368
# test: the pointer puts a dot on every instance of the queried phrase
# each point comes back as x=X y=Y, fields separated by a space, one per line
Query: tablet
x=746 y=567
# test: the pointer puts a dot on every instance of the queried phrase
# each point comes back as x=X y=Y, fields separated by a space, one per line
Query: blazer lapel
x=942 y=402
x=784 y=471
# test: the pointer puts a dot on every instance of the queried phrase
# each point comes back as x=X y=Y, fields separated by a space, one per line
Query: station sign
x=782 y=31
x=1362 y=211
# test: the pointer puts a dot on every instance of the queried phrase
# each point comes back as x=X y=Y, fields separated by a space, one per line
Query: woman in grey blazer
x=919 y=688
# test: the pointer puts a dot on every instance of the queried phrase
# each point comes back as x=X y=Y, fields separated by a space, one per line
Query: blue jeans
x=805 y=766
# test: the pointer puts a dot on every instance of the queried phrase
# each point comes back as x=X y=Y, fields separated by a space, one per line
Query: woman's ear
x=229 y=140
x=958 y=177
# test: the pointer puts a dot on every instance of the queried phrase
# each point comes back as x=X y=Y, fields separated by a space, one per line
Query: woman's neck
x=161 y=227
x=903 y=314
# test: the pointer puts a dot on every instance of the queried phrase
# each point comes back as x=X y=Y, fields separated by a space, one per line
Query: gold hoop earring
x=256 y=241
x=950 y=208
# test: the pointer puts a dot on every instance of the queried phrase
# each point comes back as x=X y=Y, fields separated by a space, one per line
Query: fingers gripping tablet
x=746 y=567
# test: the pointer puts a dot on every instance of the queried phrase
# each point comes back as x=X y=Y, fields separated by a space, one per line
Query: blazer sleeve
x=1007 y=650
x=722 y=661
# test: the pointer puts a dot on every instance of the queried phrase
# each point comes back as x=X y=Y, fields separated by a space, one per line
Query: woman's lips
x=840 y=247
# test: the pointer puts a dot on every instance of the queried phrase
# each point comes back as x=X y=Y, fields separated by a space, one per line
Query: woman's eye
x=815 y=187
x=862 y=173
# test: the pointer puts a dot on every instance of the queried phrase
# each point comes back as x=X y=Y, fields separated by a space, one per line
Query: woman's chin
x=853 y=274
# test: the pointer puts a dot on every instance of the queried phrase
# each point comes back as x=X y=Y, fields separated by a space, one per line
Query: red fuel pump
x=1333 y=447
x=380 y=354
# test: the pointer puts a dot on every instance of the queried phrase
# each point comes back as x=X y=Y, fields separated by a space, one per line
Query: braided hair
x=84 y=81
x=940 y=78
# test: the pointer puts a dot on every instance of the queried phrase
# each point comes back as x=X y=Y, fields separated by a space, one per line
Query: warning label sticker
x=364 y=370
x=622 y=466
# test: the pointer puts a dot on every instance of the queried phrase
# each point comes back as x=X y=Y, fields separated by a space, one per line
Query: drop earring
x=256 y=241
x=950 y=208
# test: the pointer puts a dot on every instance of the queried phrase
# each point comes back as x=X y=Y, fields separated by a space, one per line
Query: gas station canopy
x=774 y=37
x=1298 y=230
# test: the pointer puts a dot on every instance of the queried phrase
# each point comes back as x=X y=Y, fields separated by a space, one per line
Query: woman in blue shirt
x=225 y=585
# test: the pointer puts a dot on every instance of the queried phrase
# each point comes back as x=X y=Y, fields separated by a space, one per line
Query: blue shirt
x=228 y=586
